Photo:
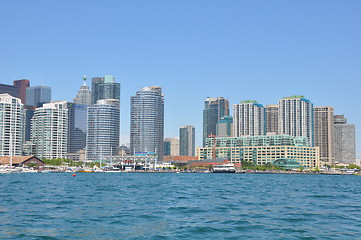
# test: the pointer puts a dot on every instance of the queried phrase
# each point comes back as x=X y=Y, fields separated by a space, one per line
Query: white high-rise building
x=49 y=132
x=12 y=117
x=345 y=141
x=102 y=140
x=147 y=121
x=296 y=117
x=249 y=119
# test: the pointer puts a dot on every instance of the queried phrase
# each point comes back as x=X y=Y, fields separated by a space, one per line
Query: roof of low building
x=16 y=159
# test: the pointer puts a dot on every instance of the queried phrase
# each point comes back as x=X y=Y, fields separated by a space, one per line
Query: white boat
x=225 y=168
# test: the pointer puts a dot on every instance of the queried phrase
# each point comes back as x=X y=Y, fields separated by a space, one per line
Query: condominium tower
x=272 y=119
x=49 y=132
x=103 y=130
x=324 y=133
x=249 y=119
x=187 y=141
x=173 y=144
x=214 y=110
x=105 y=88
x=296 y=117
x=147 y=121
x=345 y=149
x=12 y=117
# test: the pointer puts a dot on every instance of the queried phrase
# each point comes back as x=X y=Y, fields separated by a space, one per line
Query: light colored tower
x=173 y=146
x=103 y=129
x=12 y=116
x=249 y=119
x=187 y=141
x=147 y=121
x=214 y=110
x=296 y=117
x=324 y=133
x=272 y=119
x=49 y=132
x=84 y=96
x=345 y=149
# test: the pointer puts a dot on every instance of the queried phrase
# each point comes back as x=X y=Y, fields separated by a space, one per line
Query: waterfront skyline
x=240 y=50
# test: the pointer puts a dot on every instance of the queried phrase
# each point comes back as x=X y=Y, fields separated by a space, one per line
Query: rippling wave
x=179 y=206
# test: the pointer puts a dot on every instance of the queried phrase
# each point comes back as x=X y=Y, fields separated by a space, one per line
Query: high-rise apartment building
x=214 y=110
x=272 y=119
x=11 y=125
x=345 y=146
x=147 y=121
x=249 y=119
x=22 y=85
x=187 y=141
x=225 y=127
x=49 y=133
x=105 y=88
x=103 y=128
x=38 y=95
x=172 y=146
x=84 y=95
x=324 y=133
x=296 y=117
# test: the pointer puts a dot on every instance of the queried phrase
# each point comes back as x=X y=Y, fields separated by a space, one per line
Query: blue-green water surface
x=179 y=206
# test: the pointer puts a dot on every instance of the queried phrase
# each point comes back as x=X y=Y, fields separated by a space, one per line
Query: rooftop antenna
x=42 y=79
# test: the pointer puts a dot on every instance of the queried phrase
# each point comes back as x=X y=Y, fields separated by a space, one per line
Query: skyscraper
x=225 y=127
x=345 y=149
x=249 y=119
x=147 y=121
x=11 y=125
x=296 y=117
x=38 y=95
x=173 y=144
x=102 y=138
x=187 y=141
x=77 y=128
x=324 y=133
x=105 y=88
x=49 y=132
x=22 y=85
x=9 y=89
x=84 y=96
x=272 y=119
x=214 y=110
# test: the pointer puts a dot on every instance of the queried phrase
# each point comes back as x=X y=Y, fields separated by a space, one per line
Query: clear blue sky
x=261 y=50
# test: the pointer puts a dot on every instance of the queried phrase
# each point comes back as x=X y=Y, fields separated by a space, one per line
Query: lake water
x=179 y=206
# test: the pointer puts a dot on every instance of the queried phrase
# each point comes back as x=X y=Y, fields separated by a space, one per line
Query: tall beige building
x=324 y=133
x=272 y=119
x=174 y=146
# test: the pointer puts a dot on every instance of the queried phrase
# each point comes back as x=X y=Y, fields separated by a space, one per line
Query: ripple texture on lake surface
x=179 y=206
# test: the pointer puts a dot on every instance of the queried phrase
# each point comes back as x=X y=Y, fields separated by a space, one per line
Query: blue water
x=179 y=206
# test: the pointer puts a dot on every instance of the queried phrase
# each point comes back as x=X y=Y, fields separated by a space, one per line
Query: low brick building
x=22 y=160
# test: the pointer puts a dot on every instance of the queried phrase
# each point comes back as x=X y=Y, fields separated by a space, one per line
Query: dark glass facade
x=77 y=127
x=214 y=110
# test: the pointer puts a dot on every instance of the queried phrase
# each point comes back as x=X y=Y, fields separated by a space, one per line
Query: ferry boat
x=225 y=168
